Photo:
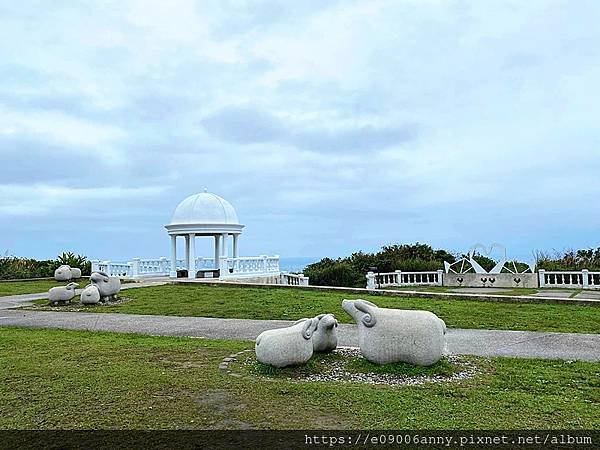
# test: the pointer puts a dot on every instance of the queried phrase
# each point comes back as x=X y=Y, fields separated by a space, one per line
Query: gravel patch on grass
x=346 y=364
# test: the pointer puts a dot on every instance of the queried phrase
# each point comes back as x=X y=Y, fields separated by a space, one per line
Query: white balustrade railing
x=576 y=279
x=253 y=265
x=114 y=269
x=399 y=278
x=582 y=279
x=139 y=268
x=293 y=279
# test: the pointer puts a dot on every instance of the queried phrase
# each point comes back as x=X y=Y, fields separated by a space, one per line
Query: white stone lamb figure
x=108 y=287
x=62 y=294
x=325 y=336
x=289 y=346
x=67 y=273
x=63 y=273
x=90 y=295
x=393 y=335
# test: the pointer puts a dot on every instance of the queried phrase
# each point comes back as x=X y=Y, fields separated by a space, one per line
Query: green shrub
x=12 y=267
x=73 y=260
x=328 y=272
x=569 y=260
x=351 y=271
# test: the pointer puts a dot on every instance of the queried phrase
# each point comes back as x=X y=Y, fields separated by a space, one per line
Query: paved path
x=15 y=301
x=523 y=344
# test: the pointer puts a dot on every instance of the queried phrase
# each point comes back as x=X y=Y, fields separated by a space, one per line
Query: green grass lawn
x=32 y=287
x=292 y=304
x=83 y=380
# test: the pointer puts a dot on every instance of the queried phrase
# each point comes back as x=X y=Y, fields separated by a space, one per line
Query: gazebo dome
x=204 y=213
x=204 y=207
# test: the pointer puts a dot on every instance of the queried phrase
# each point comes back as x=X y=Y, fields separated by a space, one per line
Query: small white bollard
x=585 y=278
x=371 y=281
x=542 y=277
x=135 y=267
x=303 y=280
x=398 y=277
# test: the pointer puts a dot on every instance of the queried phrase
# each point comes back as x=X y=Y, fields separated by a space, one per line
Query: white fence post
x=585 y=278
x=370 y=280
x=95 y=264
x=135 y=267
x=440 y=277
x=164 y=266
x=398 y=277
x=264 y=263
x=542 y=277
x=303 y=280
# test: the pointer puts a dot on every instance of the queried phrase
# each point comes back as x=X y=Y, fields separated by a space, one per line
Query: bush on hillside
x=12 y=267
x=569 y=260
x=351 y=271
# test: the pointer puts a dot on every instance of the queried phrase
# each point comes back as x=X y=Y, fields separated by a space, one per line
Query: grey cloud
x=246 y=125
x=27 y=160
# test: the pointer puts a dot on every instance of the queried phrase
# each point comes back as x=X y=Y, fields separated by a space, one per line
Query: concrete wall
x=503 y=280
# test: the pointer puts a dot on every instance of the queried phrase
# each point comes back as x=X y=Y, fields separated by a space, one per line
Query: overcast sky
x=330 y=126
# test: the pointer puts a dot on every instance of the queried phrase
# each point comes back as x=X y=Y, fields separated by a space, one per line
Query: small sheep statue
x=62 y=294
x=90 y=295
x=325 y=336
x=108 y=287
x=393 y=335
x=67 y=273
x=289 y=346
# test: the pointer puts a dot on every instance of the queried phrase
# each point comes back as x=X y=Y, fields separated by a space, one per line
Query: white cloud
x=60 y=201
x=501 y=95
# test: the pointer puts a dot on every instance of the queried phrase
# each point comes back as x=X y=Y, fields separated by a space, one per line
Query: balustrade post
x=585 y=273
x=264 y=263
x=303 y=280
x=134 y=266
x=398 y=277
x=440 y=277
x=371 y=280
x=164 y=265
x=542 y=278
x=95 y=264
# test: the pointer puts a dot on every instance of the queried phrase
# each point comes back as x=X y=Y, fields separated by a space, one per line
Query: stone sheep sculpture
x=62 y=294
x=90 y=295
x=108 y=287
x=325 y=336
x=289 y=346
x=394 y=335
x=67 y=273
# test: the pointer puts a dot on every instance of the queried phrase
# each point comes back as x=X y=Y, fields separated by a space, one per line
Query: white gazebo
x=204 y=214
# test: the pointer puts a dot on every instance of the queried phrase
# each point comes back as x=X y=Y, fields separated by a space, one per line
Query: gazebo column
x=223 y=260
x=187 y=251
x=235 y=252
x=173 y=272
x=217 y=250
x=192 y=256
x=235 y=245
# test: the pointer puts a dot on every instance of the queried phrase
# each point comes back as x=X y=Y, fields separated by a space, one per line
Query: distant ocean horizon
x=296 y=263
